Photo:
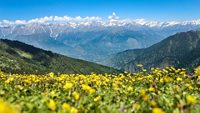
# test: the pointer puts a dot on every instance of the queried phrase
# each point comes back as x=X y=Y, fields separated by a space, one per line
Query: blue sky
x=148 y=9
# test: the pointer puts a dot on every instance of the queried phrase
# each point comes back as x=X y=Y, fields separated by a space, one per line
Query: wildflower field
x=166 y=90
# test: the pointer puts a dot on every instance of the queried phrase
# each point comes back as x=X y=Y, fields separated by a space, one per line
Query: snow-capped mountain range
x=112 y=20
x=91 y=38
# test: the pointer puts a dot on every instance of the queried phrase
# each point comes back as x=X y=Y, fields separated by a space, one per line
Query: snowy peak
x=112 y=20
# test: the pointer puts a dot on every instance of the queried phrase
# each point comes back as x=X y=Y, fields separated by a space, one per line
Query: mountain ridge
x=181 y=50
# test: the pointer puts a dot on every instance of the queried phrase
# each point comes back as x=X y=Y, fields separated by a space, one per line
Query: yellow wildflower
x=97 y=98
x=52 y=93
x=51 y=74
x=19 y=87
x=161 y=80
x=191 y=100
x=52 y=105
x=139 y=65
x=66 y=107
x=168 y=79
x=68 y=85
x=151 y=89
x=6 y=108
x=189 y=86
x=76 y=95
x=142 y=92
x=9 y=80
x=130 y=88
x=73 y=110
x=88 y=89
x=157 y=110
x=198 y=71
x=183 y=73
x=69 y=109
x=198 y=77
x=179 y=79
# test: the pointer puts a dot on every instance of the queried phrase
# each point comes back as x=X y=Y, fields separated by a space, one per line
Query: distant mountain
x=91 y=38
x=92 y=44
x=181 y=50
x=19 y=57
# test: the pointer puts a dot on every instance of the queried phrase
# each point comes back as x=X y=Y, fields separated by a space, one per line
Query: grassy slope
x=19 y=57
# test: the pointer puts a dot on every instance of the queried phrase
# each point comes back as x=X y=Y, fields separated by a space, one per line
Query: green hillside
x=181 y=50
x=17 y=57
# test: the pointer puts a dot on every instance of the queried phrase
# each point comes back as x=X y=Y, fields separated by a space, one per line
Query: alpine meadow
x=96 y=56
